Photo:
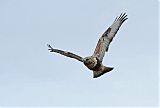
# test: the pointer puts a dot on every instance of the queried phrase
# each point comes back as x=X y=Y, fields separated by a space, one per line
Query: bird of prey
x=94 y=62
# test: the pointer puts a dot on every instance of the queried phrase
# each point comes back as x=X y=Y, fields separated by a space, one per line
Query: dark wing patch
x=106 y=32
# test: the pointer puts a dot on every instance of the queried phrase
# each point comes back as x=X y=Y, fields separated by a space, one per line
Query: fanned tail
x=99 y=73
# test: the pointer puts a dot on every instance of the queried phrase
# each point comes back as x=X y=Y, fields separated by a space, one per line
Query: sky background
x=32 y=76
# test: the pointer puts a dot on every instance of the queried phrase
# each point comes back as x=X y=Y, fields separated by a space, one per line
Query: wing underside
x=65 y=53
x=107 y=37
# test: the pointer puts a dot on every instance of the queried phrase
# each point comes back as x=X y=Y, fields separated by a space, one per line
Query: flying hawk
x=94 y=62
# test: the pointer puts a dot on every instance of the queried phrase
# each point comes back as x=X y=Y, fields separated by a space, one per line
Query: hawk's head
x=90 y=61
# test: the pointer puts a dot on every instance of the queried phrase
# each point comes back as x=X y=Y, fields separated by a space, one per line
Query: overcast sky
x=32 y=76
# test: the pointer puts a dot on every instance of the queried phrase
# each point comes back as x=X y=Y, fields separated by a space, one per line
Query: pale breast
x=91 y=63
x=95 y=66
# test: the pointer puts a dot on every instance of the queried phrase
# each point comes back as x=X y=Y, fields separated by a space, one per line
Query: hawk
x=94 y=62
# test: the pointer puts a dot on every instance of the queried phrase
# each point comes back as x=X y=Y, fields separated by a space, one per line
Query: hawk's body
x=94 y=62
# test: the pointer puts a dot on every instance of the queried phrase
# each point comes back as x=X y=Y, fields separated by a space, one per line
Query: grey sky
x=31 y=76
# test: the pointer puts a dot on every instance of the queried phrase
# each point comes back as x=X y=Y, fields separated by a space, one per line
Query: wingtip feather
x=50 y=48
x=122 y=17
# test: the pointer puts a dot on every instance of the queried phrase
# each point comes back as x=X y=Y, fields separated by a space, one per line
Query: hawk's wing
x=65 y=53
x=108 y=35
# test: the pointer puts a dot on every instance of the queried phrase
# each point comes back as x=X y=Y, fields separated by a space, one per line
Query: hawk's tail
x=99 y=73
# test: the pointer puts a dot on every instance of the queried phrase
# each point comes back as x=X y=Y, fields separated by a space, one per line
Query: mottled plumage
x=94 y=62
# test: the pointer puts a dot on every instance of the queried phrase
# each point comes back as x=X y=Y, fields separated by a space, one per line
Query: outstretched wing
x=65 y=53
x=108 y=35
